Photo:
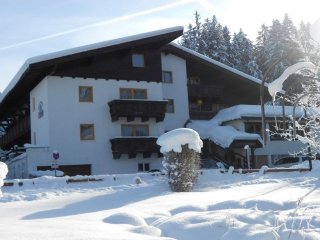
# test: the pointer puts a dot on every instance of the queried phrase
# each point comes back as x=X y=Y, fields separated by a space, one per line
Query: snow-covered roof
x=173 y=140
x=81 y=49
x=251 y=111
x=212 y=61
x=223 y=136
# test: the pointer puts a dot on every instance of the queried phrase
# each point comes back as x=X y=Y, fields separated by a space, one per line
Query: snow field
x=3 y=174
x=222 y=206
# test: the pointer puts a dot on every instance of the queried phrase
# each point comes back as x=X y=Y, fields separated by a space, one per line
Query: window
x=138 y=60
x=34 y=138
x=143 y=167
x=170 y=106
x=33 y=104
x=194 y=80
x=134 y=130
x=133 y=93
x=167 y=77
x=253 y=128
x=87 y=132
x=85 y=94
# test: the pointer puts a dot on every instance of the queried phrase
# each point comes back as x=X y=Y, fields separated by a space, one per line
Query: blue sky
x=35 y=27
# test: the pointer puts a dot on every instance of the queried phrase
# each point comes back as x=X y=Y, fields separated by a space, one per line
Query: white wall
x=39 y=126
x=177 y=90
x=18 y=167
x=65 y=114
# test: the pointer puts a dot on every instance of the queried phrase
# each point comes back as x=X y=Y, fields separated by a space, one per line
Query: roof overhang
x=36 y=68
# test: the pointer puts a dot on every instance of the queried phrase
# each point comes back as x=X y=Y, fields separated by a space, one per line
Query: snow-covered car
x=289 y=161
x=211 y=164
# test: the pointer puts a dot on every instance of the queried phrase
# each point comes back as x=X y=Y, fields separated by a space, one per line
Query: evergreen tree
x=282 y=48
x=191 y=37
x=214 y=41
x=308 y=45
x=242 y=55
x=260 y=51
x=227 y=40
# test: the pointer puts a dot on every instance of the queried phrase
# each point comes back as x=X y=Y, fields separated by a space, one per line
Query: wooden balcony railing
x=144 y=109
x=15 y=134
x=134 y=145
x=208 y=91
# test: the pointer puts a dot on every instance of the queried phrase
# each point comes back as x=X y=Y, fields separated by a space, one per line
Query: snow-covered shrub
x=182 y=168
x=138 y=180
x=3 y=173
x=181 y=148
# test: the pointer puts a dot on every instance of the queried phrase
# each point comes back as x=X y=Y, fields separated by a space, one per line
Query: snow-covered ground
x=222 y=206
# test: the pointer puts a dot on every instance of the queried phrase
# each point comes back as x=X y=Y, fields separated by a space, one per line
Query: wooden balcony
x=17 y=134
x=202 y=115
x=131 y=109
x=134 y=145
x=208 y=91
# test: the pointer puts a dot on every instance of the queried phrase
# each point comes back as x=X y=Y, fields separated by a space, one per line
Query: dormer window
x=138 y=60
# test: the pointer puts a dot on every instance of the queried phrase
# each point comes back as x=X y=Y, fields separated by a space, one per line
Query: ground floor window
x=143 y=167
x=134 y=130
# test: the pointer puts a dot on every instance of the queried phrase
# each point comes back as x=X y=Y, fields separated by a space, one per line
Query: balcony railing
x=134 y=145
x=210 y=91
x=202 y=115
x=15 y=134
x=131 y=109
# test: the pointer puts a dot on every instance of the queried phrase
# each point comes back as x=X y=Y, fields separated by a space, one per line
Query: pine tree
x=191 y=37
x=242 y=55
x=227 y=40
x=214 y=41
x=260 y=51
x=309 y=47
x=282 y=48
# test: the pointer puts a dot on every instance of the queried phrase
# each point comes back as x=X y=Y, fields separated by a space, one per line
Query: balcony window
x=134 y=130
x=253 y=128
x=194 y=80
x=133 y=93
x=87 y=132
x=167 y=77
x=138 y=60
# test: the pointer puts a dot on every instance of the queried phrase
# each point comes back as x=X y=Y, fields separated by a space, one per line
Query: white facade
x=177 y=90
x=56 y=99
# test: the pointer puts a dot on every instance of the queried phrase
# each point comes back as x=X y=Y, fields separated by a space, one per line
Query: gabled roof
x=188 y=53
x=35 y=68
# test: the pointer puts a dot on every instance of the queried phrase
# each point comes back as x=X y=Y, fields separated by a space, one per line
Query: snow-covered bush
x=181 y=148
x=3 y=173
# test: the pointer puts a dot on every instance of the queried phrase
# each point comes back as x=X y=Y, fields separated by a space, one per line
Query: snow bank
x=125 y=218
x=3 y=173
x=47 y=173
x=173 y=140
x=276 y=85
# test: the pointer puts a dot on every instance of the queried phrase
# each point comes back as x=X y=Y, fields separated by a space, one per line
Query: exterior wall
x=176 y=90
x=39 y=124
x=65 y=114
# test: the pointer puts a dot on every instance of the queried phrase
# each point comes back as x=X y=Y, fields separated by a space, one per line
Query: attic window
x=138 y=60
